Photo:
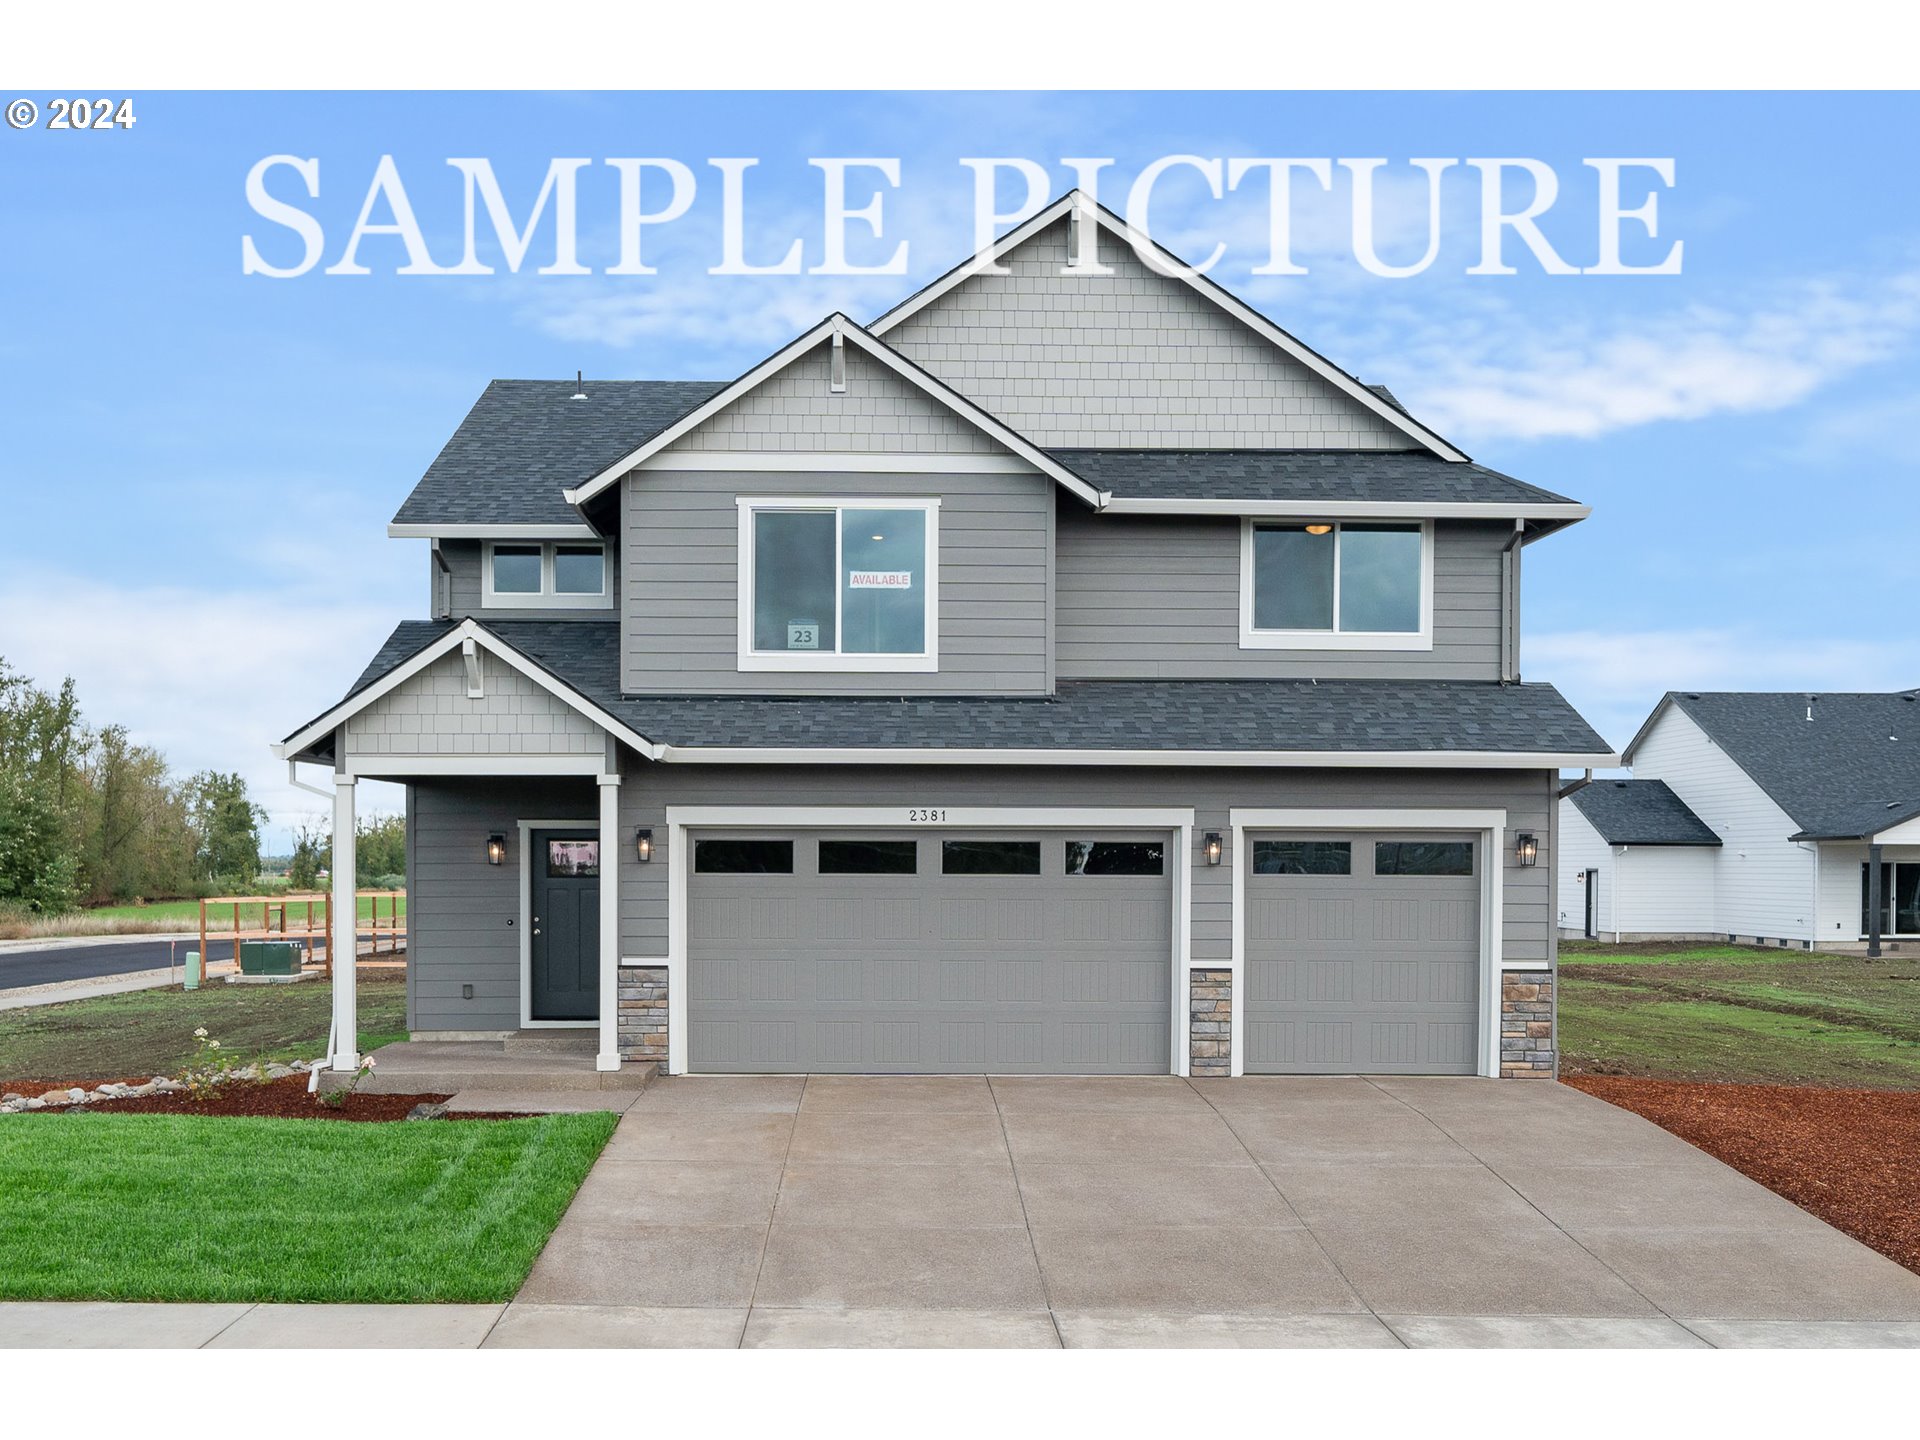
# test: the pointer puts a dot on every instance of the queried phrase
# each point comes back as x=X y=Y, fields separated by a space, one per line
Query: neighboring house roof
x=1351 y=722
x=1640 y=812
x=1849 y=772
x=525 y=441
x=1412 y=477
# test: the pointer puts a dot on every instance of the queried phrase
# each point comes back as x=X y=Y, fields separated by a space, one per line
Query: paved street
x=55 y=963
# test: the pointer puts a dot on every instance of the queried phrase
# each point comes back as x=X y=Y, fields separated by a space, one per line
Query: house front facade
x=1069 y=672
x=1768 y=818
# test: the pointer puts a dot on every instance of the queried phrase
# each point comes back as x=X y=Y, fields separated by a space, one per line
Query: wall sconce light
x=496 y=849
x=1526 y=849
x=1214 y=847
x=643 y=844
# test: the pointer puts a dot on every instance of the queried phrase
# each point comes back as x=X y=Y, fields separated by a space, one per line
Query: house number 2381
x=925 y=815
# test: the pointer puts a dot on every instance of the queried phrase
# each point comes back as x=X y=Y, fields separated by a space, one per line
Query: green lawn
x=150 y=1032
x=1724 y=1012
x=175 y=1207
x=187 y=912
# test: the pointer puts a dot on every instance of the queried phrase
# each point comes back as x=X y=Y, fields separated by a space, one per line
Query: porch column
x=612 y=857
x=1875 y=899
x=343 y=946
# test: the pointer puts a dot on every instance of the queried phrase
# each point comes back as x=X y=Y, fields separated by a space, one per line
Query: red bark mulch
x=1852 y=1157
x=275 y=1099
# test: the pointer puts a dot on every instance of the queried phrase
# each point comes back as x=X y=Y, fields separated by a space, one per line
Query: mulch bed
x=1852 y=1157
x=274 y=1099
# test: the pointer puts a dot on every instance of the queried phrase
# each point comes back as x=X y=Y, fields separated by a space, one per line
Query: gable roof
x=1374 y=723
x=1848 y=773
x=839 y=329
x=1640 y=812
x=1175 y=270
x=525 y=441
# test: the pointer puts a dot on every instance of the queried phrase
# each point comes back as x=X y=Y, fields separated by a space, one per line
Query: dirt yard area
x=1852 y=1157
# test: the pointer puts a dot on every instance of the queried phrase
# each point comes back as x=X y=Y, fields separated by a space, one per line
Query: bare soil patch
x=1852 y=1157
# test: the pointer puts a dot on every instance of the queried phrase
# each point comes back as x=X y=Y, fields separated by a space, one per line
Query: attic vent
x=579 y=385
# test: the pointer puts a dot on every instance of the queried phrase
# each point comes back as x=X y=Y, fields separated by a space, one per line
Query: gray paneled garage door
x=1363 y=954
x=1018 y=952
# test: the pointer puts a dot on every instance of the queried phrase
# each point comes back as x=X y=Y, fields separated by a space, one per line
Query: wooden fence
x=308 y=918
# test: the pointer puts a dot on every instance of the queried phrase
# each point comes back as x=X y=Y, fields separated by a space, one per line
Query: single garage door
x=1363 y=954
x=1018 y=952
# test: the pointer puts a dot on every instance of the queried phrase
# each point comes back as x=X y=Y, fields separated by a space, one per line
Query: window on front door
x=1899 y=898
x=832 y=585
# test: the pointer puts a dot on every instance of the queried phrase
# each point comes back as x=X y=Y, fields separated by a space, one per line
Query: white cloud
x=210 y=680
x=1615 y=678
x=1494 y=370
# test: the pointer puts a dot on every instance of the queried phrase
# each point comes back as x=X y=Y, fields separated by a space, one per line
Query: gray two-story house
x=1068 y=672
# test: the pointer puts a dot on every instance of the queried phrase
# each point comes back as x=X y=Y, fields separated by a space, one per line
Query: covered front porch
x=530 y=1062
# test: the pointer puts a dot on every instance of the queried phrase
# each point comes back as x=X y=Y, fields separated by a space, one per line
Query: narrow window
x=1302 y=857
x=573 y=859
x=1423 y=857
x=868 y=857
x=743 y=857
x=579 y=570
x=990 y=857
x=1116 y=857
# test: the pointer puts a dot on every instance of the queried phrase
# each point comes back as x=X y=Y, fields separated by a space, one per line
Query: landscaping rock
x=159 y=1080
x=36 y=1103
x=427 y=1112
x=77 y=1095
x=169 y=1087
x=7 y=1107
x=279 y=1072
x=11 y=1095
x=140 y=1092
x=59 y=1095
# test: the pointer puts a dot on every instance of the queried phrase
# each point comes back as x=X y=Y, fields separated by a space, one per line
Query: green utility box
x=270 y=957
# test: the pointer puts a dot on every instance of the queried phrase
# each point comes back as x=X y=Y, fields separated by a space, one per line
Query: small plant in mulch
x=212 y=1068
x=335 y=1099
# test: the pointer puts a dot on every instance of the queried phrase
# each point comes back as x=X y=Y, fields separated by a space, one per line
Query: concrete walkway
x=769 y=1211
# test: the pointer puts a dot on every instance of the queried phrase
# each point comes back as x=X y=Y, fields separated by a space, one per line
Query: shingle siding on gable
x=431 y=715
x=1765 y=882
x=796 y=411
x=1150 y=597
x=1131 y=359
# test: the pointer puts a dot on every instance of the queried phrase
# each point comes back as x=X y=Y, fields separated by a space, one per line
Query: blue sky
x=199 y=464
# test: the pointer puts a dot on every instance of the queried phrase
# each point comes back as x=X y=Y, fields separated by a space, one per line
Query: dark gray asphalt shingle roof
x=1851 y=771
x=1410 y=476
x=525 y=441
x=1222 y=715
x=1640 y=812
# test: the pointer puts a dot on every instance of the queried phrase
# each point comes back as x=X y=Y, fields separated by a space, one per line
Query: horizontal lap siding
x=680 y=599
x=463 y=914
x=1525 y=795
x=1158 y=597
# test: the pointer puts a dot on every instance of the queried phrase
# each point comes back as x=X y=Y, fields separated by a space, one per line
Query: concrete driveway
x=1158 y=1211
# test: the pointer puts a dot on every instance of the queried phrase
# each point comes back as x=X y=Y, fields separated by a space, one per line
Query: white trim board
x=838 y=328
x=682 y=818
x=1225 y=759
x=1164 y=262
x=838 y=462
x=527 y=827
x=1350 y=509
x=1491 y=827
x=581 y=531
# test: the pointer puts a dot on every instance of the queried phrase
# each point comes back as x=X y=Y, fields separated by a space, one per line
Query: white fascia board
x=1350 y=509
x=1292 y=759
x=1209 y=290
x=838 y=462
x=841 y=325
x=1666 y=704
x=453 y=640
x=1372 y=818
x=492 y=532
x=1050 y=817
x=400 y=767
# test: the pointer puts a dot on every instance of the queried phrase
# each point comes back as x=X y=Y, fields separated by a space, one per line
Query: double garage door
x=1022 y=952
x=1034 y=952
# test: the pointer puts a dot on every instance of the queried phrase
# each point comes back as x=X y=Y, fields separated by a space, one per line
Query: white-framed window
x=545 y=575
x=848 y=584
x=1336 y=585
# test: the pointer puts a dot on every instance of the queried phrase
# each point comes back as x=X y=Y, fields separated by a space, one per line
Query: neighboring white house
x=1802 y=801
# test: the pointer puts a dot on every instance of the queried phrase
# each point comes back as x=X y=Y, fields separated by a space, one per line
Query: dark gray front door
x=565 y=916
x=1017 y=951
x=1363 y=954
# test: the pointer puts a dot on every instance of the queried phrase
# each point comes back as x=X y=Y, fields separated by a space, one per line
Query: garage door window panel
x=1423 y=857
x=1116 y=857
x=1302 y=857
x=990 y=857
x=743 y=857
x=869 y=857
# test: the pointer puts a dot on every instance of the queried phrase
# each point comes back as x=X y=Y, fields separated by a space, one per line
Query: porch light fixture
x=496 y=849
x=1526 y=849
x=643 y=844
x=1319 y=529
x=1214 y=847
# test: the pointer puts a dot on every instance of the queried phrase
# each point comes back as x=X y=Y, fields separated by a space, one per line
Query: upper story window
x=551 y=574
x=839 y=584
x=1336 y=585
